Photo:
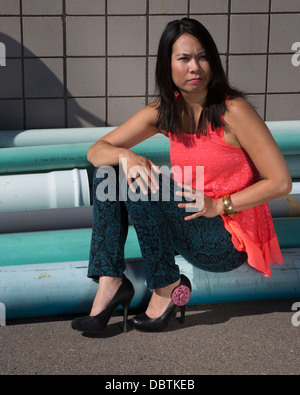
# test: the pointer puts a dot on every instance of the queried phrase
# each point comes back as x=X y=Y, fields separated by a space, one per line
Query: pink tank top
x=229 y=169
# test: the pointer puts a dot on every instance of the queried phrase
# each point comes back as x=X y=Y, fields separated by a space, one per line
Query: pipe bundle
x=46 y=220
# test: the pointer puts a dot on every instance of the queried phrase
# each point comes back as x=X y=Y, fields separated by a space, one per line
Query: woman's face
x=189 y=65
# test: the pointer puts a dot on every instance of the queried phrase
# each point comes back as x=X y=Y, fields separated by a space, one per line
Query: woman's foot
x=160 y=300
x=162 y=306
x=108 y=287
x=111 y=294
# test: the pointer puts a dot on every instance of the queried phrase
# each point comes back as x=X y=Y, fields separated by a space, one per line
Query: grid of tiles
x=74 y=63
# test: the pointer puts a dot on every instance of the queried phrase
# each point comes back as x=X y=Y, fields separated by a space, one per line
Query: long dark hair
x=168 y=115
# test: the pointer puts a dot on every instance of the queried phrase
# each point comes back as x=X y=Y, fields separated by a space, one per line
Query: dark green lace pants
x=162 y=234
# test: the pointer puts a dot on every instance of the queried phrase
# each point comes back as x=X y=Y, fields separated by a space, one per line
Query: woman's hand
x=199 y=202
x=140 y=170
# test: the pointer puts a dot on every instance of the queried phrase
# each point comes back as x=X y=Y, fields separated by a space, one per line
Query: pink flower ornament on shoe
x=181 y=295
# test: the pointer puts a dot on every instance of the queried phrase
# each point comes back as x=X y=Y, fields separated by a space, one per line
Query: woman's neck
x=191 y=107
x=194 y=100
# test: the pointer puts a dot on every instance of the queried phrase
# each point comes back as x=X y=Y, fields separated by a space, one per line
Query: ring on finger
x=137 y=175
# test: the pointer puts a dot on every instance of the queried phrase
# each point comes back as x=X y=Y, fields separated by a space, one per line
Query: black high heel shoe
x=180 y=297
x=99 y=322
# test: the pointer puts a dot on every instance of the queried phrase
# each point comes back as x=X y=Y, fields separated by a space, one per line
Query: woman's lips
x=196 y=80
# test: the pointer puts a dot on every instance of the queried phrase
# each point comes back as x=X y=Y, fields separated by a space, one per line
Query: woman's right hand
x=114 y=149
x=139 y=170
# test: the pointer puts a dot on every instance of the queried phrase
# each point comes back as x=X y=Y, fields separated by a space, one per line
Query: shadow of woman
x=34 y=94
x=214 y=314
x=205 y=315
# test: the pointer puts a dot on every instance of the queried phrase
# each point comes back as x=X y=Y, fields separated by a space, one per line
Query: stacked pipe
x=46 y=219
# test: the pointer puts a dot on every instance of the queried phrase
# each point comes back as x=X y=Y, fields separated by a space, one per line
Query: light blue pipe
x=56 y=288
x=284 y=133
x=56 y=189
x=293 y=163
x=55 y=246
x=63 y=288
x=245 y=283
x=287 y=205
x=69 y=156
x=37 y=137
x=82 y=217
x=287 y=135
x=65 y=155
x=73 y=245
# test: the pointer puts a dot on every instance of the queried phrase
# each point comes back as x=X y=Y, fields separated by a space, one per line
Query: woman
x=209 y=124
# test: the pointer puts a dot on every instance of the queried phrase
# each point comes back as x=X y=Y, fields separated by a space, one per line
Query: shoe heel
x=125 y=315
x=182 y=309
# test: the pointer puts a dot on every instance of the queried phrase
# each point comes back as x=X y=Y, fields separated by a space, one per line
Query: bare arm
x=109 y=148
x=245 y=128
x=255 y=138
x=115 y=146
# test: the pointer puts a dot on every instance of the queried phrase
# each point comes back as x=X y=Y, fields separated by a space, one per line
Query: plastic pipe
x=82 y=217
x=33 y=159
x=287 y=205
x=36 y=137
x=286 y=134
x=27 y=159
x=245 y=283
x=56 y=288
x=63 y=288
x=293 y=162
x=65 y=156
x=51 y=157
x=44 y=190
x=54 y=246
x=44 y=220
x=73 y=245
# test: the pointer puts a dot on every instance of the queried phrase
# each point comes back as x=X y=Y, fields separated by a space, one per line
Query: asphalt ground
x=248 y=338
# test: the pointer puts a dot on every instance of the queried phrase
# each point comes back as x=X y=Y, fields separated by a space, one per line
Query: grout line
x=126 y=97
x=267 y=61
x=106 y=65
x=158 y=14
x=147 y=54
x=65 y=75
x=22 y=66
x=228 y=38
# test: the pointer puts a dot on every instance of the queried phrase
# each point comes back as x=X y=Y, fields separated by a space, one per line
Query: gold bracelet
x=227 y=206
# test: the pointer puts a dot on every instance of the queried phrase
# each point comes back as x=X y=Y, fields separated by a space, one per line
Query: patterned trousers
x=162 y=233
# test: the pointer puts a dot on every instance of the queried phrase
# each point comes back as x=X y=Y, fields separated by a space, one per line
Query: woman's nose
x=194 y=65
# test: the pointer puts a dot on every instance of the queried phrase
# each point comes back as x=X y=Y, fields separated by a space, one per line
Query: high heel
x=99 y=322
x=180 y=297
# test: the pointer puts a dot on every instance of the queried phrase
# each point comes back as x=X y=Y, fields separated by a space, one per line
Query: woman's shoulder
x=243 y=121
x=239 y=110
x=152 y=111
x=146 y=117
x=238 y=106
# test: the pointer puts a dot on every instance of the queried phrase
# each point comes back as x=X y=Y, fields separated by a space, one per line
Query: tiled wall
x=74 y=63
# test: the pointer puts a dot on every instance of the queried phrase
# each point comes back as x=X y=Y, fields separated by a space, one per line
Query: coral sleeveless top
x=229 y=169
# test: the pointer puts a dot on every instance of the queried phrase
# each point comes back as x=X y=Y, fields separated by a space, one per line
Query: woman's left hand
x=204 y=205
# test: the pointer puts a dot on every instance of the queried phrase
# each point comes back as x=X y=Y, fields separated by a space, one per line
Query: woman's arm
x=108 y=149
x=244 y=128
x=114 y=147
x=252 y=134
